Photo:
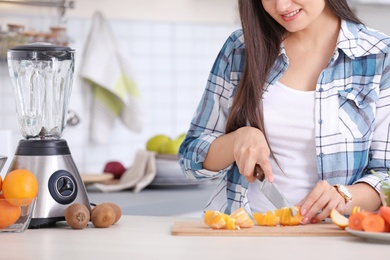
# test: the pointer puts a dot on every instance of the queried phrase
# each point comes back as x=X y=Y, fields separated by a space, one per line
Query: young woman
x=303 y=90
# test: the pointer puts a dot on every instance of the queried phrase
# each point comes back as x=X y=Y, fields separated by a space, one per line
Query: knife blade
x=270 y=190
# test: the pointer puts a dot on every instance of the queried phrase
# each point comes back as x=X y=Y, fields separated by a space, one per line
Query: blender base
x=44 y=222
x=59 y=181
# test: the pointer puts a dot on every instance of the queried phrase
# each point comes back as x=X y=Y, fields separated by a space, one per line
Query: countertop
x=149 y=237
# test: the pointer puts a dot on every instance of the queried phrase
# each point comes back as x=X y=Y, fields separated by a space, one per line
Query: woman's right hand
x=251 y=148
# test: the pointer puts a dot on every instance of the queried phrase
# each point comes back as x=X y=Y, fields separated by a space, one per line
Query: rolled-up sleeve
x=210 y=118
x=380 y=152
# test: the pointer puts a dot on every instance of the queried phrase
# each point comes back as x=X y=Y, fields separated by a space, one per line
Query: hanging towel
x=114 y=91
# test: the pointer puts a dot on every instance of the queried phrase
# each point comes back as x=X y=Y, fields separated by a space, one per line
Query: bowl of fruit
x=18 y=194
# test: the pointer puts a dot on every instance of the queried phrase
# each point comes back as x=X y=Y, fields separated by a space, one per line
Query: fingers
x=320 y=201
x=251 y=148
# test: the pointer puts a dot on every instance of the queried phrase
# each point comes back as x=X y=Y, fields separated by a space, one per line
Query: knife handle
x=259 y=173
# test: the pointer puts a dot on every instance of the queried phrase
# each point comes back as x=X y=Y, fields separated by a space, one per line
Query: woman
x=303 y=90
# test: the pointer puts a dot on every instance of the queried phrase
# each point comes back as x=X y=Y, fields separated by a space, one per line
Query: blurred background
x=169 y=44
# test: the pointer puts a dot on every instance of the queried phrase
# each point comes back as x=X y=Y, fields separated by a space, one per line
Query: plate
x=89 y=178
x=371 y=236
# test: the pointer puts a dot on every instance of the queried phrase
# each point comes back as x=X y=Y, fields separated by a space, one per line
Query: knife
x=271 y=191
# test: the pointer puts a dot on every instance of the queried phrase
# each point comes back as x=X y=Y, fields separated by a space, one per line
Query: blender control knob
x=62 y=187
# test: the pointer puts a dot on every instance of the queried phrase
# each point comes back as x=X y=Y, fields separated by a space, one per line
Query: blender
x=42 y=76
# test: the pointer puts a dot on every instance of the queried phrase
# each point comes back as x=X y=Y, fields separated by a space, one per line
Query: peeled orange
x=282 y=216
x=236 y=220
x=215 y=219
x=20 y=184
x=266 y=219
x=242 y=218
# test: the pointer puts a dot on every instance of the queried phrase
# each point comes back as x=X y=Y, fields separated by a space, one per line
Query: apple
x=116 y=168
x=154 y=143
x=170 y=147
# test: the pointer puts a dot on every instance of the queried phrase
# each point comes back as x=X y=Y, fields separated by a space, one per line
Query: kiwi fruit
x=103 y=216
x=77 y=216
x=117 y=209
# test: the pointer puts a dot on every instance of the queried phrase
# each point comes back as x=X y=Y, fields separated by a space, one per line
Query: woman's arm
x=246 y=146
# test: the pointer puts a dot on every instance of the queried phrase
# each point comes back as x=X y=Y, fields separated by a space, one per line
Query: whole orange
x=20 y=184
x=9 y=213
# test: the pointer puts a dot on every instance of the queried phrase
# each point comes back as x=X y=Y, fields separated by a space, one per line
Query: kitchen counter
x=149 y=237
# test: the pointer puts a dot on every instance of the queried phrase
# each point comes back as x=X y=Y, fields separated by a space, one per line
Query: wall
x=171 y=48
x=170 y=57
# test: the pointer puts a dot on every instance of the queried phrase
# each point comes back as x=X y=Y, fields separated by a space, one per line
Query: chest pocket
x=357 y=111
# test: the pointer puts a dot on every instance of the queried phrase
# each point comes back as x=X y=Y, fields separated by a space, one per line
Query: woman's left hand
x=316 y=206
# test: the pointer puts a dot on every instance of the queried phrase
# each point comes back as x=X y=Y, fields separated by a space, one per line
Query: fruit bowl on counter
x=168 y=170
x=15 y=214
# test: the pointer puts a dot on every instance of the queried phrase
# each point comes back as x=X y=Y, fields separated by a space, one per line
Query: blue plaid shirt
x=352 y=114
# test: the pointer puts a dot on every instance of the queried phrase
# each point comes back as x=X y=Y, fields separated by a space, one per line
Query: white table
x=142 y=238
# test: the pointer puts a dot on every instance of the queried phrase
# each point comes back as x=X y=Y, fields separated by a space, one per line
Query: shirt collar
x=356 y=40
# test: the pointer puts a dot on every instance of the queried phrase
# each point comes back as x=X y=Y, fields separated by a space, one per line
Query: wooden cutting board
x=198 y=228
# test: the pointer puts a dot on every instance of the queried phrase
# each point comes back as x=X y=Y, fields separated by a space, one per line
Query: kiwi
x=77 y=216
x=103 y=216
x=117 y=209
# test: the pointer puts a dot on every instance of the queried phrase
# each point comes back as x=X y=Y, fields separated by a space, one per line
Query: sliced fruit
x=242 y=218
x=374 y=223
x=215 y=219
x=287 y=219
x=355 y=220
x=338 y=219
x=384 y=211
x=266 y=219
x=356 y=209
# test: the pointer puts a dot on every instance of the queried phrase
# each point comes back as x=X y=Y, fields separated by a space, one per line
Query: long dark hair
x=263 y=37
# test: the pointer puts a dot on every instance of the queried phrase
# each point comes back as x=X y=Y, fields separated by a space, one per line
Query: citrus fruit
x=356 y=209
x=286 y=217
x=241 y=218
x=9 y=213
x=266 y=219
x=1 y=182
x=20 y=184
x=215 y=219
x=338 y=219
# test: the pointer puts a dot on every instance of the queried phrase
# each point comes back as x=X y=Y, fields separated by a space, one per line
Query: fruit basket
x=15 y=214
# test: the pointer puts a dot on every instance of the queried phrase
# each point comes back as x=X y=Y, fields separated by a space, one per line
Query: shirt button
x=321 y=154
x=321 y=90
x=320 y=121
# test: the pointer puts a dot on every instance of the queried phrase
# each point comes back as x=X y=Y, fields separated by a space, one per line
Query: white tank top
x=289 y=121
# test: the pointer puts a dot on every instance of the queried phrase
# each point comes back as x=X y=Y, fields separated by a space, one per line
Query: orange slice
x=338 y=219
x=242 y=218
x=266 y=219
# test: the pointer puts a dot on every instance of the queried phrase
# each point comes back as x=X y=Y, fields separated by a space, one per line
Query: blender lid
x=40 y=51
x=40 y=46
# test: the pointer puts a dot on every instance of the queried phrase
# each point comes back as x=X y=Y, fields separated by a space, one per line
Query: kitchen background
x=171 y=46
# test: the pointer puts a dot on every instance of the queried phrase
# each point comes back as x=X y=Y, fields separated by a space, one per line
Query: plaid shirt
x=352 y=114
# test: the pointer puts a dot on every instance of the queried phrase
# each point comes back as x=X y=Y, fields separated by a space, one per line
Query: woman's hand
x=316 y=206
x=251 y=148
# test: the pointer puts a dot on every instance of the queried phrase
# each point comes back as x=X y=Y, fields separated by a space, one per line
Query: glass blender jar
x=42 y=76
